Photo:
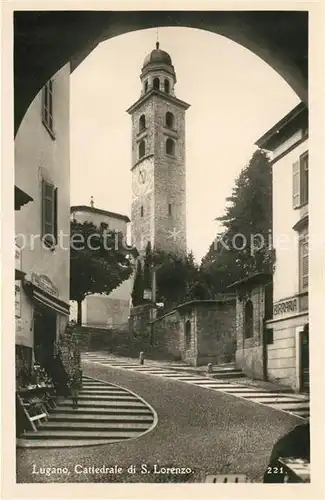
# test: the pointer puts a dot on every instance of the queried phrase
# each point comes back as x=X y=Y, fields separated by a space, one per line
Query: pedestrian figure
x=75 y=383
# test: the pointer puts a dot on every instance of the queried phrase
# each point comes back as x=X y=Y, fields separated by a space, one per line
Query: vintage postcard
x=163 y=325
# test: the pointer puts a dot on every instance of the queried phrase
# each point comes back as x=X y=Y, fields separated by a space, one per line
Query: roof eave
x=146 y=96
x=270 y=138
x=85 y=208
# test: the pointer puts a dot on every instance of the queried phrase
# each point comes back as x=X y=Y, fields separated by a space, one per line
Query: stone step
x=100 y=392
x=178 y=376
x=158 y=372
x=74 y=434
x=240 y=390
x=302 y=413
x=144 y=368
x=267 y=395
x=91 y=403
x=107 y=397
x=89 y=426
x=61 y=443
x=91 y=387
x=90 y=410
x=101 y=386
x=302 y=410
x=274 y=400
x=68 y=417
x=228 y=375
x=211 y=381
x=290 y=406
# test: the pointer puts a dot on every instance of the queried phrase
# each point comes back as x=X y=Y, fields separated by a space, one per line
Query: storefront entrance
x=304 y=363
x=44 y=334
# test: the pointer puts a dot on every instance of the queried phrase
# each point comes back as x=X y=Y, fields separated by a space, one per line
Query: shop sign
x=44 y=282
x=17 y=299
x=147 y=294
x=285 y=307
x=18 y=325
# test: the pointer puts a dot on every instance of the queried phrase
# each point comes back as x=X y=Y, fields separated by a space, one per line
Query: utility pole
x=154 y=294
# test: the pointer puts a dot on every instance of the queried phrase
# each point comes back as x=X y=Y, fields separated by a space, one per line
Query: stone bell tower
x=158 y=211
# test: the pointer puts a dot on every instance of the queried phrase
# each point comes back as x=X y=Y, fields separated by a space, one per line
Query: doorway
x=304 y=359
x=44 y=334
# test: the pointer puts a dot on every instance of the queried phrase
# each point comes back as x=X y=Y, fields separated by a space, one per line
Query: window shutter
x=296 y=184
x=47 y=208
x=305 y=264
x=55 y=207
x=304 y=271
x=44 y=103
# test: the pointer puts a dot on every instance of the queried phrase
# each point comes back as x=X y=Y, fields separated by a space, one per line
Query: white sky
x=235 y=97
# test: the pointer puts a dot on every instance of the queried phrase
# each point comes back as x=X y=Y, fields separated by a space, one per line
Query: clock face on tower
x=143 y=177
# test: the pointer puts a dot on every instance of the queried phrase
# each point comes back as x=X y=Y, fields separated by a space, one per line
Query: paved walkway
x=277 y=399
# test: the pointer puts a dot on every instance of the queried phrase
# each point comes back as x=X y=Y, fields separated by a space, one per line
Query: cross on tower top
x=157 y=42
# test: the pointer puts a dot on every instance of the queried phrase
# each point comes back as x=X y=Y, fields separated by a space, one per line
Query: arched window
x=167 y=86
x=141 y=210
x=170 y=147
x=142 y=123
x=248 y=320
x=188 y=334
x=146 y=86
x=169 y=120
x=142 y=149
x=156 y=83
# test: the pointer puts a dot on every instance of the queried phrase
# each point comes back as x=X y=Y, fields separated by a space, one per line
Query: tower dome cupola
x=157 y=56
x=158 y=72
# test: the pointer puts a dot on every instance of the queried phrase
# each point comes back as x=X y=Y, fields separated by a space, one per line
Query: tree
x=147 y=268
x=244 y=246
x=138 y=288
x=178 y=279
x=98 y=262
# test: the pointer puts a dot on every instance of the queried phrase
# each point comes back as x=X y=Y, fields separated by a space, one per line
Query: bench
x=36 y=404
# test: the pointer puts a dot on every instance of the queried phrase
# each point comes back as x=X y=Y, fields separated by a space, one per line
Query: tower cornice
x=151 y=155
x=156 y=92
x=154 y=67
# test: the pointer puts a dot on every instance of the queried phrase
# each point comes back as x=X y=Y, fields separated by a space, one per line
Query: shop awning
x=21 y=198
x=46 y=299
x=19 y=275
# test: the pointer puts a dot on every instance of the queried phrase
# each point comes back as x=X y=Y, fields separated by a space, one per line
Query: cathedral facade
x=158 y=213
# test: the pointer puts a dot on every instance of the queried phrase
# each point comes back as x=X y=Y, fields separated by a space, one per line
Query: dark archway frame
x=44 y=41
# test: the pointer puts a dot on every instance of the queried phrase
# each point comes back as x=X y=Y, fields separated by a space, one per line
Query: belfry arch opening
x=142 y=149
x=156 y=83
x=169 y=122
x=142 y=123
x=71 y=36
x=170 y=147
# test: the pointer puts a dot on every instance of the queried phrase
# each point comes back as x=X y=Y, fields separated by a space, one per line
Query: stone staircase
x=106 y=413
x=226 y=372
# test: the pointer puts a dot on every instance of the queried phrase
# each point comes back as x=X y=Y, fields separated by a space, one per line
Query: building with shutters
x=288 y=330
x=99 y=310
x=42 y=224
